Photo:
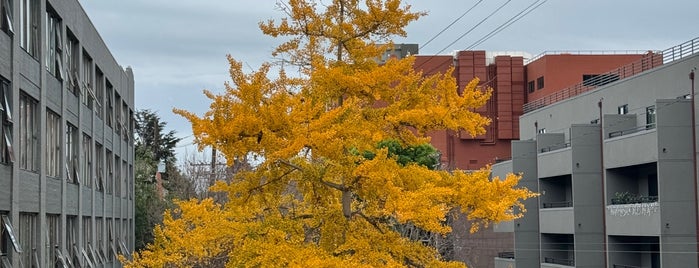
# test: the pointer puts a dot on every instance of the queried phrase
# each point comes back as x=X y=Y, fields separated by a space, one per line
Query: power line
x=460 y=37
x=509 y=22
x=451 y=24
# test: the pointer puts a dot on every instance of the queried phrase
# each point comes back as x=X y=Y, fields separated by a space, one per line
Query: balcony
x=631 y=147
x=556 y=220
x=555 y=161
x=634 y=251
x=557 y=250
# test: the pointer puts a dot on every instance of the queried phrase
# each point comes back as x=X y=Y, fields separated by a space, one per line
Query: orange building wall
x=564 y=70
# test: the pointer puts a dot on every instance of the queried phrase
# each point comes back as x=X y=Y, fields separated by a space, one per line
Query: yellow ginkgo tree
x=322 y=192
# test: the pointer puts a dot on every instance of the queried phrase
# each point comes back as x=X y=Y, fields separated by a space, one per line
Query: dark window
x=7 y=154
x=110 y=172
x=99 y=166
x=530 y=86
x=540 y=82
x=72 y=168
x=72 y=65
x=29 y=239
x=29 y=26
x=99 y=91
x=6 y=17
x=623 y=109
x=650 y=116
x=110 y=104
x=86 y=92
x=541 y=131
x=28 y=133
x=86 y=163
x=53 y=144
x=54 y=43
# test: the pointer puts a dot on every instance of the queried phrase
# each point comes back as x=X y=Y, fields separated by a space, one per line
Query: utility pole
x=212 y=174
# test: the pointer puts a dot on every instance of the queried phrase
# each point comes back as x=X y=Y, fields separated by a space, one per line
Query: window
x=53 y=144
x=72 y=172
x=99 y=92
x=111 y=240
x=99 y=166
x=8 y=233
x=131 y=179
x=86 y=163
x=99 y=235
x=595 y=121
x=110 y=104
x=29 y=26
x=54 y=43
x=7 y=154
x=29 y=239
x=110 y=172
x=124 y=182
x=530 y=86
x=86 y=92
x=540 y=82
x=71 y=240
x=117 y=114
x=117 y=176
x=624 y=109
x=53 y=242
x=87 y=239
x=541 y=131
x=28 y=133
x=72 y=47
x=6 y=17
x=124 y=121
x=650 y=117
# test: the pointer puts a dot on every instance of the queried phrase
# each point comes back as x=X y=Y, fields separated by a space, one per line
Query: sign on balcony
x=638 y=209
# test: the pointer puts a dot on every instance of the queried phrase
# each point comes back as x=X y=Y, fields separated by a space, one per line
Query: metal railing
x=555 y=147
x=634 y=200
x=649 y=61
x=584 y=52
x=561 y=204
x=502 y=159
x=619 y=133
x=624 y=266
x=567 y=262
x=506 y=255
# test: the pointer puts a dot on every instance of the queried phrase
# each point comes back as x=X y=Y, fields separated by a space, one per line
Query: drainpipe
x=602 y=176
x=694 y=163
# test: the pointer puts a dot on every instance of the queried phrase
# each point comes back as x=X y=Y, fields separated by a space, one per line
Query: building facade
x=67 y=149
x=614 y=163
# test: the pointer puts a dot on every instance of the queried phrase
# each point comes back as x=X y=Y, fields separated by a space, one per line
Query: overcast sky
x=179 y=48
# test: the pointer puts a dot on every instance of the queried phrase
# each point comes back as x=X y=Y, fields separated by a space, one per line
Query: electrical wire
x=451 y=24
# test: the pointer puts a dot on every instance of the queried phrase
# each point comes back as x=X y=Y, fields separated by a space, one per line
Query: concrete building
x=66 y=149
x=614 y=161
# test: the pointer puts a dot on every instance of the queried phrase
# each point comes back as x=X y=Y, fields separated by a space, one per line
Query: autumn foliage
x=315 y=197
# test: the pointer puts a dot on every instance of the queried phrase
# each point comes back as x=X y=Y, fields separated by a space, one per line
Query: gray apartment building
x=66 y=140
x=614 y=162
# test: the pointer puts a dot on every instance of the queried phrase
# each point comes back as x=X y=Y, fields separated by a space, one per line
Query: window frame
x=623 y=109
x=29 y=136
x=53 y=144
x=72 y=154
x=7 y=155
x=540 y=82
x=6 y=22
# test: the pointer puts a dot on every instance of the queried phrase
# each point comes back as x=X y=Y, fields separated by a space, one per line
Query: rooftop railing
x=649 y=61
x=584 y=52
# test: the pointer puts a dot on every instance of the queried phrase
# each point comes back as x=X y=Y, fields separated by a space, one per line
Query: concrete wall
x=677 y=185
x=588 y=195
x=527 y=243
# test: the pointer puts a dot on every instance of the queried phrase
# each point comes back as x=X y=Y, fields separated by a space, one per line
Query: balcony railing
x=555 y=147
x=506 y=255
x=561 y=204
x=634 y=200
x=624 y=266
x=630 y=131
x=566 y=262
x=651 y=60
